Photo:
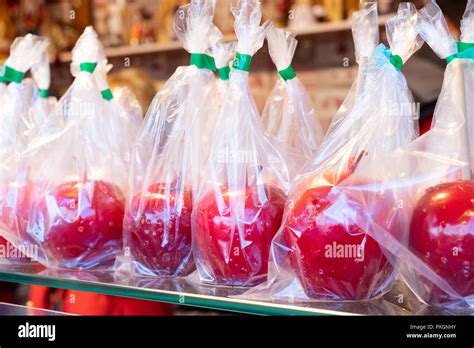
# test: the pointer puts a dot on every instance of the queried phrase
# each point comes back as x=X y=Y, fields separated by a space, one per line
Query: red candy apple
x=159 y=222
x=331 y=254
x=236 y=252
x=442 y=235
x=79 y=225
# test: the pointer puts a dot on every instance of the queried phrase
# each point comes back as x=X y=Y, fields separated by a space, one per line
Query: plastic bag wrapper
x=124 y=113
x=75 y=182
x=15 y=127
x=289 y=114
x=324 y=250
x=241 y=197
x=467 y=36
x=223 y=54
x=433 y=186
x=42 y=104
x=168 y=156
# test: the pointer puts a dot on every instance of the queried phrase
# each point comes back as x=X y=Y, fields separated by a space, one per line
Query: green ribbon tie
x=107 y=94
x=12 y=75
x=88 y=67
x=465 y=51
x=44 y=93
x=288 y=73
x=224 y=73
x=384 y=53
x=203 y=61
x=242 y=62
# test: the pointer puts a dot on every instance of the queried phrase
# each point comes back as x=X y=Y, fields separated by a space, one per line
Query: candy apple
x=235 y=252
x=442 y=236
x=79 y=225
x=332 y=255
x=159 y=223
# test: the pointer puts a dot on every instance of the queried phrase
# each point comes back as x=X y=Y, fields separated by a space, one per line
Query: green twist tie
x=107 y=94
x=465 y=51
x=288 y=73
x=44 y=93
x=224 y=73
x=2 y=80
x=396 y=61
x=464 y=46
x=203 y=61
x=242 y=62
x=88 y=67
x=12 y=75
x=451 y=58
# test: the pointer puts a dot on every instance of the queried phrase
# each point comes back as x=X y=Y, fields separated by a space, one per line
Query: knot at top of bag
x=44 y=93
x=383 y=56
x=242 y=62
x=8 y=74
x=223 y=53
x=88 y=67
x=25 y=52
x=86 y=53
x=203 y=61
x=194 y=28
x=465 y=51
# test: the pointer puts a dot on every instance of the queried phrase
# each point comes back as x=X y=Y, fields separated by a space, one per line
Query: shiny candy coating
x=235 y=253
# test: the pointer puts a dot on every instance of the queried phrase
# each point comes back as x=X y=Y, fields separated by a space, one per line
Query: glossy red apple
x=159 y=224
x=79 y=225
x=442 y=236
x=331 y=254
x=234 y=252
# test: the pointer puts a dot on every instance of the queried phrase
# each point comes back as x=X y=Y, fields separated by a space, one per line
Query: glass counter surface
x=399 y=301
x=8 y=309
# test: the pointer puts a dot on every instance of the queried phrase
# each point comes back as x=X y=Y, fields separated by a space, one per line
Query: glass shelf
x=7 y=309
x=184 y=292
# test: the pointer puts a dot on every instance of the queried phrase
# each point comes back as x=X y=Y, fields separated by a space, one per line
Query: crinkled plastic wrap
x=324 y=249
x=124 y=113
x=168 y=156
x=432 y=182
x=240 y=202
x=75 y=181
x=289 y=114
x=223 y=53
x=42 y=104
x=15 y=127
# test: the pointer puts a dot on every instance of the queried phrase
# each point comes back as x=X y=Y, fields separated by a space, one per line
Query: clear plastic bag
x=434 y=250
x=125 y=113
x=223 y=53
x=289 y=115
x=243 y=189
x=325 y=249
x=15 y=127
x=75 y=177
x=42 y=103
x=168 y=155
